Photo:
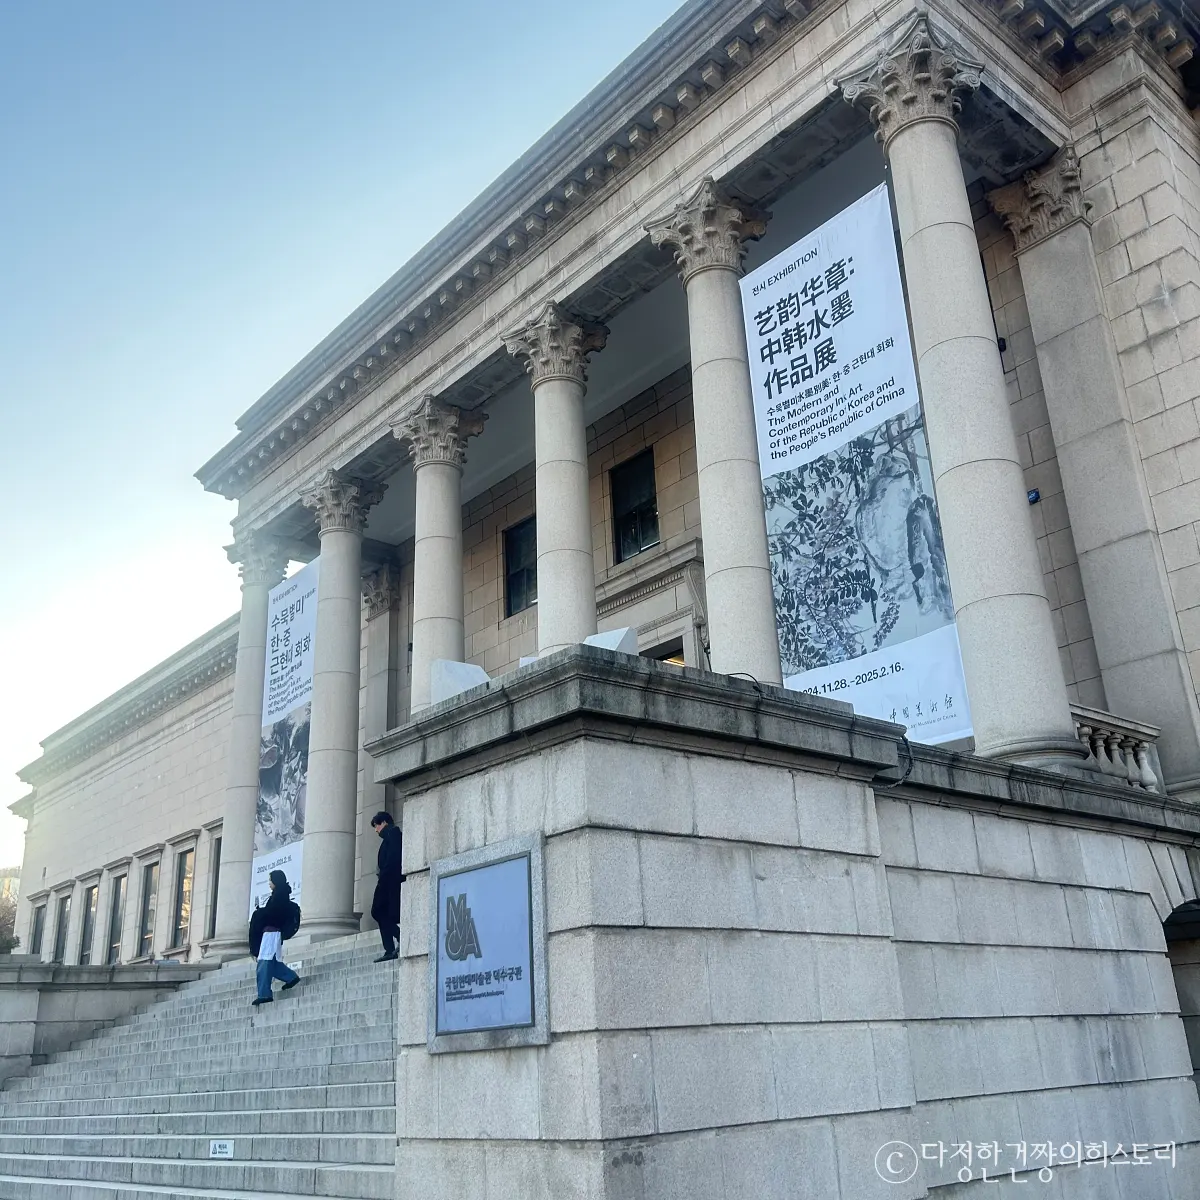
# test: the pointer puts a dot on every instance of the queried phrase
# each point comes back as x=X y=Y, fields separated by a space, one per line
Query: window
x=216 y=887
x=149 y=901
x=39 y=929
x=635 y=506
x=520 y=566
x=183 y=897
x=91 y=896
x=116 y=919
x=62 y=919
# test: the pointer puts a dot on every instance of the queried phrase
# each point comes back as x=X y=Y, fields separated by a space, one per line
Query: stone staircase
x=304 y=1088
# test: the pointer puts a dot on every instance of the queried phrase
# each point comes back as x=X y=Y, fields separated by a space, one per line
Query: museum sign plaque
x=487 y=948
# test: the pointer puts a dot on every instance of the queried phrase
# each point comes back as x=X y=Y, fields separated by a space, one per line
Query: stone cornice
x=706 y=49
x=191 y=670
x=701 y=52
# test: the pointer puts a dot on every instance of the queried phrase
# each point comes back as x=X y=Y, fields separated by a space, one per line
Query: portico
x=411 y=403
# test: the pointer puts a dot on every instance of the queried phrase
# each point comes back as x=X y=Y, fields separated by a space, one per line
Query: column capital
x=707 y=230
x=381 y=589
x=1043 y=201
x=261 y=560
x=340 y=501
x=554 y=346
x=919 y=78
x=437 y=432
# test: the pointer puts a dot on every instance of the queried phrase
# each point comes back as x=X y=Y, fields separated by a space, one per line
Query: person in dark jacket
x=385 y=907
x=268 y=925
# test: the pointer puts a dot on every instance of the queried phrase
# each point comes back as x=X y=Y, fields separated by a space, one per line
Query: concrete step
x=361 y=1181
x=363 y=1148
x=337 y=1096
x=230 y=1123
x=14 y=1187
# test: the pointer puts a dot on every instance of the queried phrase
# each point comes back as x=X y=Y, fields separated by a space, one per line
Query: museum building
x=542 y=428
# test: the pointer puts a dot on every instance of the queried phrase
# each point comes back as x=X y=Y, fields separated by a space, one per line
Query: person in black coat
x=385 y=907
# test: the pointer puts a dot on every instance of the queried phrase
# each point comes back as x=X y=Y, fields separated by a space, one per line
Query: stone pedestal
x=555 y=350
x=262 y=567
x=1138 y=641
x=341 y=506
x=1010 y=657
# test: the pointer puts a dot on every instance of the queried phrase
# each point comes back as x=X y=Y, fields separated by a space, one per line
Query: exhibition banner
x=862 y=593
x=283 y=751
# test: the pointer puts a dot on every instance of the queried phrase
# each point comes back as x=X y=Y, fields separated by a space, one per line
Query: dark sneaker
x=287 y=987
x=258 y=1000
x=387 y=956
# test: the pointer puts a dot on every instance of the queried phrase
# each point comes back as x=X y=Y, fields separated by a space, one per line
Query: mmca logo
x=462 y=940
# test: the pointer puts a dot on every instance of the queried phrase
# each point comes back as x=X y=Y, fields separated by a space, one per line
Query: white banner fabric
x=862 y=593
x=283 y=752
x=291 y=629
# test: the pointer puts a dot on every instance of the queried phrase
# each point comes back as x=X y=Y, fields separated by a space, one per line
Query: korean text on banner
x=283 y=752
x=858 y=566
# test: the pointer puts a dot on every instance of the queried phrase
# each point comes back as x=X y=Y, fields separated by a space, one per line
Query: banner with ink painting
x=862 y=592
x=283 y=750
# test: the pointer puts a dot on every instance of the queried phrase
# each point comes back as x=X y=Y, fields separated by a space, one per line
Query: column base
x=226 y=949
x=321 y=929
x=1065 y=755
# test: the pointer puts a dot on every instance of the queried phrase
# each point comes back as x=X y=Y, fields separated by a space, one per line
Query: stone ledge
x=589 y=690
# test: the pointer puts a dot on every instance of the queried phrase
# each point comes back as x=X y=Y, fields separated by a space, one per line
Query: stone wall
x=1141 y=174
x=771 y=952
x=163 y=779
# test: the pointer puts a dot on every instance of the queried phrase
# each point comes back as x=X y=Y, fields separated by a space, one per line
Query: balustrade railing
x=1124 y=751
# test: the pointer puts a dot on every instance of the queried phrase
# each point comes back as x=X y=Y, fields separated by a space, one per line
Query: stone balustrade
x=1124 y=750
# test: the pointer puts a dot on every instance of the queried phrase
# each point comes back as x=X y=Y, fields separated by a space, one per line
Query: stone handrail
x=1123 y=750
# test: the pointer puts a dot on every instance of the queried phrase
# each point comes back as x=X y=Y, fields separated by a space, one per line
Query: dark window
x=90 y=898
x=216 y=886
x=520 y=566
x=635 y=506
x=60 y=928
x=116 y=919
x=183 y=897
x=39 y=929
x=149 y=902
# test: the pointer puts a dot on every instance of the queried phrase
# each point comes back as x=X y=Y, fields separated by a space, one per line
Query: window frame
x=87 y=928
x=37 y=926
x=118 y=887
x=62 y=925
x=181 y=934
x=527 y=571
x=214 y=892
x=148 y=908
x=642 y=513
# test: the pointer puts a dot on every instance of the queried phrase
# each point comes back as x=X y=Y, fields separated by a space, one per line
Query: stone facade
x=967 y=945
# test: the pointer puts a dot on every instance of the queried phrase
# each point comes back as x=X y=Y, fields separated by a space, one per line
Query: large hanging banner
x=283 y=751
x=862 y=594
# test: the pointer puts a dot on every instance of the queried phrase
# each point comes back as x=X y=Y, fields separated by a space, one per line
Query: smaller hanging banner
x=283 y=751
x=862 y=592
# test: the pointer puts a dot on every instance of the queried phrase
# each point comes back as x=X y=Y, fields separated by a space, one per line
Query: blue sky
x=193 y=195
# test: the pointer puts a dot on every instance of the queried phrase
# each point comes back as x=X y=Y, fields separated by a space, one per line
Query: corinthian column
x=437 y=437
x=341 y=505
x=262 y=566
x=1010 y=655
x=555 y=351
x=709 y=235
x=1138 y=641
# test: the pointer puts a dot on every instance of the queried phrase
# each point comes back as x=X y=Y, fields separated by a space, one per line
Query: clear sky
x=192 y=196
